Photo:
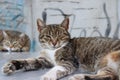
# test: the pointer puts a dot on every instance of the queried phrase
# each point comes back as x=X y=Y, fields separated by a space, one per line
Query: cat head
x=12 y=42
x=1 y=35
x=53 y=36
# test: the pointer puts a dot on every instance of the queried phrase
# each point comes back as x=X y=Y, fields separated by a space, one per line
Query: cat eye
x=14 y=43
x=7 y=43
x=47 y=36
x=64 y=38
x=65 y=34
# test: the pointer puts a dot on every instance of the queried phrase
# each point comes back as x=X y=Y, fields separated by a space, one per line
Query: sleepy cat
x=65 y=55
x=14 y=41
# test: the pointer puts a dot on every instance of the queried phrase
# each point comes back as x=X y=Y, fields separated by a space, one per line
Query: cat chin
x=52 y=48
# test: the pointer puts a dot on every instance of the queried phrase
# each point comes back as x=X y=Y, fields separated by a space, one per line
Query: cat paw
x=24 y=49
x=8 y=68
x=48 y=77
x=77 y=77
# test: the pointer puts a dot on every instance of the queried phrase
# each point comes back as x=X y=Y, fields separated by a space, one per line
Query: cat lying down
x=64 y=55
x=14 y=41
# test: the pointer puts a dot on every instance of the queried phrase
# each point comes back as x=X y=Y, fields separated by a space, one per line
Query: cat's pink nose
x=54 y=43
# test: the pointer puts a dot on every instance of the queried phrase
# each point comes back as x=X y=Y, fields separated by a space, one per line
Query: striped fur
x=14 y=41
x=66 y=55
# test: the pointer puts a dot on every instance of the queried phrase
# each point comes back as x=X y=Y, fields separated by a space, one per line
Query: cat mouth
x=53 y=47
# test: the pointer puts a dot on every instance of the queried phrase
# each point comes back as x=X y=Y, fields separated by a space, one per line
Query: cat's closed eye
x=48 y=36
x=7 y=43
x=15 y=43
x=63 y=38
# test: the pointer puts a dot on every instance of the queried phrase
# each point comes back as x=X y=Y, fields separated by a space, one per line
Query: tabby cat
x=65 y=55
x=14 y=41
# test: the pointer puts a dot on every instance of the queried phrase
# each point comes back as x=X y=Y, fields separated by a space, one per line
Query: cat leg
x=25 y=41
x=110 y=70
x=105 y=73
x=2 y=49
x=26 y=46
x=25 y=49
x=26 y=64
x=58 y=72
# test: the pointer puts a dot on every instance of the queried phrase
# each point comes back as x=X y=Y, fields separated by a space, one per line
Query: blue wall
x=11 y=13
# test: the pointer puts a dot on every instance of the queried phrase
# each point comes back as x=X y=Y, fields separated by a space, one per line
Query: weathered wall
x=87 y=17
x=13 y=15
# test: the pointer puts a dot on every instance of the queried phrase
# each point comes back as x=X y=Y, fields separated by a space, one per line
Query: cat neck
x=50 y=53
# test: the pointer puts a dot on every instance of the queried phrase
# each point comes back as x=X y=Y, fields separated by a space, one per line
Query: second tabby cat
x=14 y=41
x=65 y=55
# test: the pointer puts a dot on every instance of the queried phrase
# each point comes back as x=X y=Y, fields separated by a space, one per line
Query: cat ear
x=22 y=36
x=65 y=23
x=5 y=34
x=40 y=24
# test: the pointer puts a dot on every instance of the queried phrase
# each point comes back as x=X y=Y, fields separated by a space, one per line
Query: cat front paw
x=48 y=77
x=77 y=77
x=9 y=68
x=25 y=49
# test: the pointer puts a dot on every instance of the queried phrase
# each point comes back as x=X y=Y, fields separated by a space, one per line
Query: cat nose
x=54 y=43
